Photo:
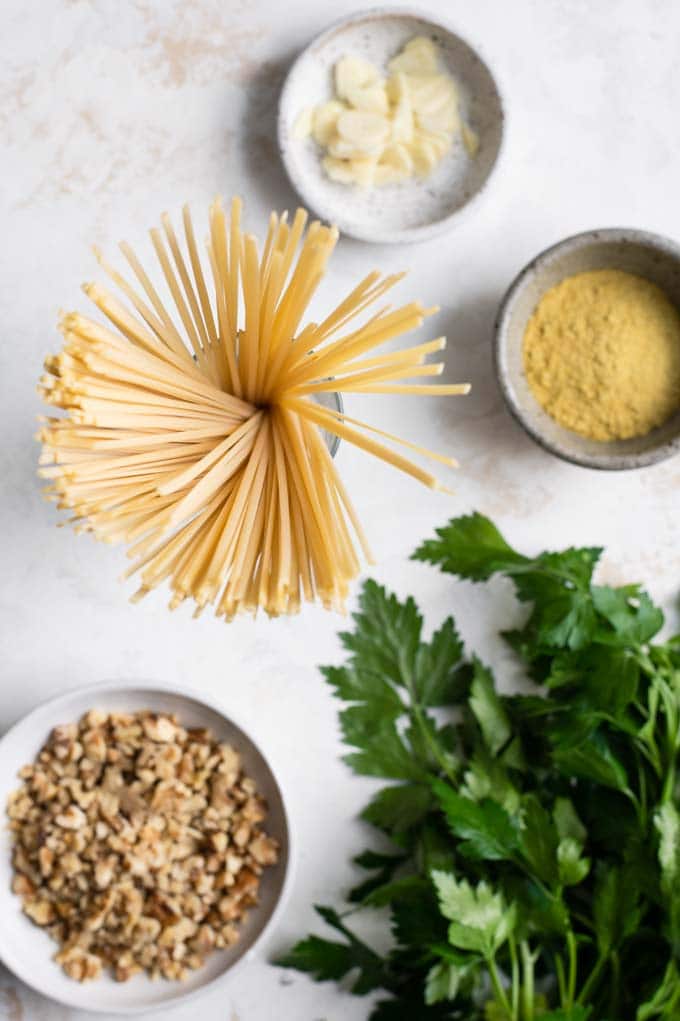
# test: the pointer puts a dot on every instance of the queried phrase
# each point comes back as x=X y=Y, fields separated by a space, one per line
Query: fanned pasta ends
x=195 y=437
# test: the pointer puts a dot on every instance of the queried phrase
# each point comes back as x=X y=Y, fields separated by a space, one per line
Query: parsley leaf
x=665 y=1002
x=386 y=635
x=629 y=611
x=325 y=959
x=539 y=840
x=606 y=677
x=488 y=709
x=486 y=829
x=558 y=584
x=480 y=919
x=436 y=681
x=576 y=1013
x=444 y=979
x=397 y=809
x=593 y=760
x=529 y=844
x=616 y=912
x=667 y=823
x=392 y=672
x=471 y=547
x=383 y=865
x=382 y=752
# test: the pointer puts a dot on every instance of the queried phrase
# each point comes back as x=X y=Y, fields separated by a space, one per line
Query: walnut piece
x=137 y=845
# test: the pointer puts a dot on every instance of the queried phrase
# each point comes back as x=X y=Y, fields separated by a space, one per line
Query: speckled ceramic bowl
x=634 y=251
x=416 y=209
x=28 y=951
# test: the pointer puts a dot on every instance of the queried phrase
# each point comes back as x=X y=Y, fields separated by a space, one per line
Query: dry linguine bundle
x=198 y=441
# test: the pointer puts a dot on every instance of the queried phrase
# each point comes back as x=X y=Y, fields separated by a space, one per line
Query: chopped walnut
x=79 y=964
x=137 y=845
x=159 y=728
x=41 y=911
x=72 y=819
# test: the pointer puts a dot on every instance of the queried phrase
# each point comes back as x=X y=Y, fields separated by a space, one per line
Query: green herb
x=533 y=865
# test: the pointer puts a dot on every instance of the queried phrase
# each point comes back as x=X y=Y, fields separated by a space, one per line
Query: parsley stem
x=586 y=922
x=669 y=780
x=592 y=978
x=528 y=983
x=498 y=988
x=642 y=786
x=416 y=713
x=521 y=864
x=515 y=978
x=615 y=985
x=573 y=967
x=561 y=981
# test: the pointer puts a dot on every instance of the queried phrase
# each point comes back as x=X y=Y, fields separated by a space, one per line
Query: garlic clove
x=419 y=56
x=369 y=97
x=364 y=129
x=439 y=140
x=424 y=157
x=341 y=149
x=386 y=174
x=338 y=170
x=324 y=120
x=363 y=171
x=303 y=123
x=402 y=111
x=470 y=139
x=430 y=93
x=398 y=157
x=352 y=73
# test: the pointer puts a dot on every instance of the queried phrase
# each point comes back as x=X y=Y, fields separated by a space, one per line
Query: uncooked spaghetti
x=198 y=442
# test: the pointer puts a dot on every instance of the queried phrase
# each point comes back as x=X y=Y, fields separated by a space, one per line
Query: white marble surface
x=112 y=111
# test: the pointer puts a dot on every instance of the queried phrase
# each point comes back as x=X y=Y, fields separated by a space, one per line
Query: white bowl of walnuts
x=145 y=851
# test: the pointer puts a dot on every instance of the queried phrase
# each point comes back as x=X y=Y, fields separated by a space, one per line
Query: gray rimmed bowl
x=634 y=251
x=413 y=210
x=334 y=402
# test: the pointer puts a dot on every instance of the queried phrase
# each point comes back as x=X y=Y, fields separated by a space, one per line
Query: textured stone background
x=110 y=113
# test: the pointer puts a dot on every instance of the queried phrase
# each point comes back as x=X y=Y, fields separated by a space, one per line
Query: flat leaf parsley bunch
x=533 y=869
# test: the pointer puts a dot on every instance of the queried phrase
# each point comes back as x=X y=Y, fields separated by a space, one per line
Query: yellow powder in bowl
x=602 y=354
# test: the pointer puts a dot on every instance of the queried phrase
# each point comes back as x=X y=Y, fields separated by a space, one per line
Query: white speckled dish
x=634 y=251
x=28 y=952
x=416 y=209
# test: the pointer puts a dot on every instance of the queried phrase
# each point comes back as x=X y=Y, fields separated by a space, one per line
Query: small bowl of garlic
x=390 y=125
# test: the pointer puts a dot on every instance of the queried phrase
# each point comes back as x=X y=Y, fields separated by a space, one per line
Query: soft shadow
x=265 y=169
x=469 y=328
x=498 y=459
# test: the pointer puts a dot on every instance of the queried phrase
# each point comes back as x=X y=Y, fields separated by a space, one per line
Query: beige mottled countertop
x=112 y=111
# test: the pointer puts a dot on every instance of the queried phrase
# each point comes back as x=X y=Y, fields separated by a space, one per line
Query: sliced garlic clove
x=338 y=170
x=445 y=119
x=430 y=93
x=419 y=56
x=303 y=123
x=341 y=149
x=386 y=174
x=399 y=157
x=364 y=129
x=424 y=157
x=363 y=171
x=396 y=87
x=470 y=139
x=352 y=73
x=439 y=140
x=324 y=120
x=369 y=97
x=402 y=113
